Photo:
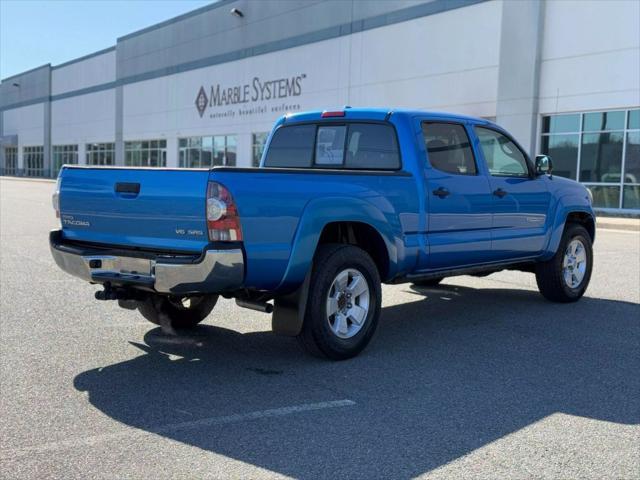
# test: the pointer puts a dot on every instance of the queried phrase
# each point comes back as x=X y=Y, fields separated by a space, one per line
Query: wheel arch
x=569 y=212
x=358 y=234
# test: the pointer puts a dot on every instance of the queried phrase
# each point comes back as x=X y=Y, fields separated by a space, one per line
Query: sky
x=37 y=32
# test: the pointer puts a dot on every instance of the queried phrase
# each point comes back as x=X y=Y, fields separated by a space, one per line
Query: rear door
x=147 y=208
x=458 y=199
x=520 y=199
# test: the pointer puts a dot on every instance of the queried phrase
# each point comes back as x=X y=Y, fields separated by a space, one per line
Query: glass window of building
x=33 y=161
x=631 y=180
x=101 y=154
x=11 y=161
x=258 y=142
x=63 y=155
x=205 y=152
x=601 y=150
x=145 y=153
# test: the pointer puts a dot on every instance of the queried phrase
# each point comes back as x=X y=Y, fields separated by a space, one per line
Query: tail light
x=338 y=113
x=223 y=220
x=55 y=198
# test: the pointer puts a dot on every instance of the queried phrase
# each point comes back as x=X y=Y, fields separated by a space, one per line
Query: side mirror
x=543 y=164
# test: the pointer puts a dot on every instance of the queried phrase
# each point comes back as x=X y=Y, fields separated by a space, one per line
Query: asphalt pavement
x=479 y=378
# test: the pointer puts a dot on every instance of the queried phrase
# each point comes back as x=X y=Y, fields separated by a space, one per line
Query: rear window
x=291 y=147
x=372 y=146
x=366 y=146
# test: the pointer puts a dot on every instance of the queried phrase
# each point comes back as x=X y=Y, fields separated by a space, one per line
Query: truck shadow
x=446 y=374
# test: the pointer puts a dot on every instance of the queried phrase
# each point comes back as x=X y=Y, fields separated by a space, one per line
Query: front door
x=520 y=198
x=458 y=200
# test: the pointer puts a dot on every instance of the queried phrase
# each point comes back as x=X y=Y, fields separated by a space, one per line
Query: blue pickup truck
x=343 y=201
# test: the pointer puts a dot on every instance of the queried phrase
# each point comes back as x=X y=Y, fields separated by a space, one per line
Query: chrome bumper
x=214 y=272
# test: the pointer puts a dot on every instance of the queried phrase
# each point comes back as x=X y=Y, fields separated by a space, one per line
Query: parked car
x=343 y=201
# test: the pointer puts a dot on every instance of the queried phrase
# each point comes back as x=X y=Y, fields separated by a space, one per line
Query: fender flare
x=289 y=309
x=567 y=204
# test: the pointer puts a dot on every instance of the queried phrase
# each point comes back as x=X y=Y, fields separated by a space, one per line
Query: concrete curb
x=629 y=224
x=28 y=179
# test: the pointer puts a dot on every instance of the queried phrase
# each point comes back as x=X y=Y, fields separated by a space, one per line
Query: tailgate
x=146 y=208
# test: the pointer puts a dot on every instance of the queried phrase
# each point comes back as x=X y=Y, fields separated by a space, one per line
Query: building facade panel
x=86 y=73
x=84 y=118
x=204 y=88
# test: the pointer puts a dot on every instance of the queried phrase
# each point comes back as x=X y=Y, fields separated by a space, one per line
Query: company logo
x=183 y=231
x=257 y=90
x=201 y=101
x=72 y=222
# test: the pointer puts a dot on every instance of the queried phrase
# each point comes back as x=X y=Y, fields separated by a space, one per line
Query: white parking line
x=11 y=453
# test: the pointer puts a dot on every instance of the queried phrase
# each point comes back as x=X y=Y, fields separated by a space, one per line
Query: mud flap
x=289 y=310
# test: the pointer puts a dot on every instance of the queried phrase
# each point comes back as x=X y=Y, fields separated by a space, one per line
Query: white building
x=204 y=88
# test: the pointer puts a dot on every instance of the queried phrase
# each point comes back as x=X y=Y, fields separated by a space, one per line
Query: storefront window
x=33 y=161
x=602 y=121
x=561 y=123
x=11 y=161
x=601 y=157
x=563 y=149
x=600 y=149
x=204 y=152
x=146 y=153
x=258 y=142
x=101 y=154
x=63 y=155
x=631 y=188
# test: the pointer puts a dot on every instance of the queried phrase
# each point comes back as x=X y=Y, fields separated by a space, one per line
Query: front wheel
x=177 y=312
x=565 y=277
x=344 y=302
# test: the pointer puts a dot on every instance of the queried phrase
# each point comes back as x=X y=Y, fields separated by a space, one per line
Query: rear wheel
x=565 y=277
x=431 y=282
x=344 y=302
x=177 y=312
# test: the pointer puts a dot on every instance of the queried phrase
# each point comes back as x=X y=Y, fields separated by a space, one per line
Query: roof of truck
x=378 y=113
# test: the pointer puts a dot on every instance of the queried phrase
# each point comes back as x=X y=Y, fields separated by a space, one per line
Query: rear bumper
x=214 y=271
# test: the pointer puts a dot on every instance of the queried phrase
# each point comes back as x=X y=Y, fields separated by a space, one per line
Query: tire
x=175 y=313
x=559 y=284
x=339 y=336
x=432 y=282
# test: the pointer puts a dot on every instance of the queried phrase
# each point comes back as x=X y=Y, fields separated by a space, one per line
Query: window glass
x=631 y=198
x=372 y=146
x=259 y=140
x=218 y=150
x=448 y=148
x=632 y=156
x=561 y=123
x=230 y=153
x=146 y=153
x=330 y=145
x=33 y=161
x=503 y=157
x=291 y=146
x=601 y=157
x=597 y=121
x=605 y=196
x=63 y=154
x=11 y=160
x=634 y=119
x=100 y=153
x=563 y=150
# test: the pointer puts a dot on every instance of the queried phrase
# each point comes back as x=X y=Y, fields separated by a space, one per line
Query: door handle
x=441 y=192
x=124 y=187
x=500 y=192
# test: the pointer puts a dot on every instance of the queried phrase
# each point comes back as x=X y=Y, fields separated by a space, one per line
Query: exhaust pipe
x=263 y=307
